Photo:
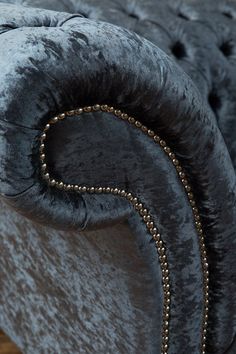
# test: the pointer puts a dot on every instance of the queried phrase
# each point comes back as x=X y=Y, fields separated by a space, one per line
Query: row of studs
x=144 y=213
x=142 y=210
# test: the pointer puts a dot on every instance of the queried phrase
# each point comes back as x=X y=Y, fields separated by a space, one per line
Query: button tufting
x=228 y=14
x=178 y=50
x=183 y=16
x=226 y=48
x=132 y=15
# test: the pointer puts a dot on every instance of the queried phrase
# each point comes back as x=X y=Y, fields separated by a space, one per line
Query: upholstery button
x=226 y=48
x=134 y=16
x=228 y=14
x=178 y=49
x=183 y=16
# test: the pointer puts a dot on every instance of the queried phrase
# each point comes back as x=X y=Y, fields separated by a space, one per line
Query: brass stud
x=47 y=126
x=123 y=193
x=150 y=224
x=54 y=120
x=46 y=176
x=138 y=124
x=190 y=195
x=129 y=196
x=167 y=149
x=96 y=107
x=52 y=182
x=124 y=116
x=70 y=113
x=134 y=200
x=61 y=116
x=78 y=111
x=162 y=143
x=144 y=211
x=87 y=109
x=184 y=182
x=131 y=120
x=198 y=224
x=153 y=230
x=147 y=218
x=156 y=237
x=144 y=128
x=150 y=132
x=188 y=189
x=43 y=136
x=117 y=112
x=178 y=168
x=156 y=138
x=175 y=162
x=104 y=107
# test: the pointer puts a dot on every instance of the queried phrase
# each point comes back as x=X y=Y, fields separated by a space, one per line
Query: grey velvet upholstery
x=170 y=65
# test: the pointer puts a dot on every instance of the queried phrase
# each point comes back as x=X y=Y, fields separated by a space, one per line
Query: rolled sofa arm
x=170 y=167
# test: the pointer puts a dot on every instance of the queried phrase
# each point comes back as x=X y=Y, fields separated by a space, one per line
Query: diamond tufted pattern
x=199 y=35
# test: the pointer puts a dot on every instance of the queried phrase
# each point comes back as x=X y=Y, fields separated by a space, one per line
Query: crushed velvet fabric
x=91 y=292
x=56 y=61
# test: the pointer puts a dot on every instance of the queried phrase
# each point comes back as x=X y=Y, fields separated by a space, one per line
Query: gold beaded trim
x=142 y=210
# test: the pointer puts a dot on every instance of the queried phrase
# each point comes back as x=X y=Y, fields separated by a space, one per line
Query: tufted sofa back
x=198 y=35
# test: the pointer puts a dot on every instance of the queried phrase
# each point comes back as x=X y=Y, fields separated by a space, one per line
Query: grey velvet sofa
x=117 y=176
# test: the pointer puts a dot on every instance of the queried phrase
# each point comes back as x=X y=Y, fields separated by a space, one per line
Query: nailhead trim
x=142 y=210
